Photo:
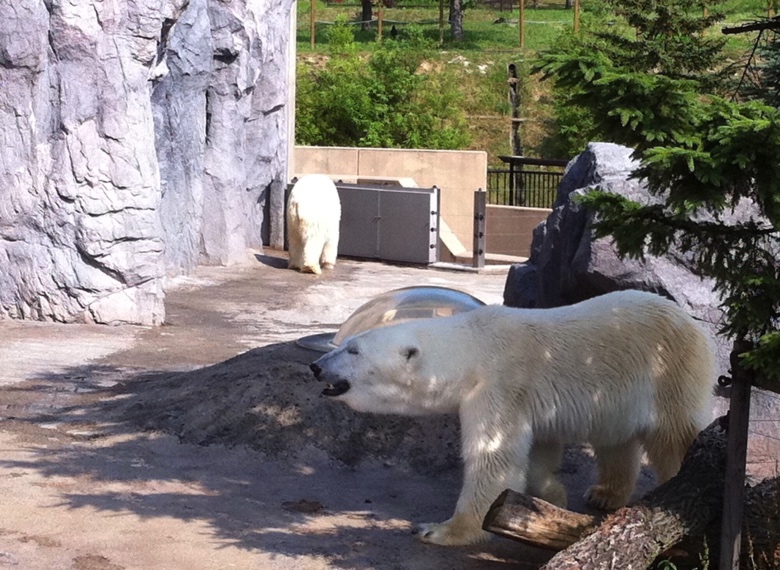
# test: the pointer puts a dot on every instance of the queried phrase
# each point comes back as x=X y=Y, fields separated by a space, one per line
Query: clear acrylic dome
x=405 y=304
x=392 y=307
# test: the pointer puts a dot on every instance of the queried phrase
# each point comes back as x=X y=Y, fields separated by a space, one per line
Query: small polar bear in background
x=313 y=217
x=627 y=372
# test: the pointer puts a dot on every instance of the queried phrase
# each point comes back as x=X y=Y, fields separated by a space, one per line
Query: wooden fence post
x=576 y=17
x=441 y=22
x=312 y=22
x=380 y=19
x=515 y=142
x=734 y=487
x=522 y=23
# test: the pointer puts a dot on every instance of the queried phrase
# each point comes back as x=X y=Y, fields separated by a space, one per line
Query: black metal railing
x=528 y=182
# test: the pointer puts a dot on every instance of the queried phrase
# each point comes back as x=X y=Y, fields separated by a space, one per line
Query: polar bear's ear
x=410 y=352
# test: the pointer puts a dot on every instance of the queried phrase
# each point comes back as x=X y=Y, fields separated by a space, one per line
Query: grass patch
x=487 y=27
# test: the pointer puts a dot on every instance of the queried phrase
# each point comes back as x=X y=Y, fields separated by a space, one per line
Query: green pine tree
x=662 y=39
x=700 y=152
x=767 y=72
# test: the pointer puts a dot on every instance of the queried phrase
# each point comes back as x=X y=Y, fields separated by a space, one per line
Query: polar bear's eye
x=410 y=352
x=352 y=349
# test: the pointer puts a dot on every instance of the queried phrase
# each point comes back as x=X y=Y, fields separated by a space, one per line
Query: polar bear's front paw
x=311 y=269
x=451 y=533
x=603 y=497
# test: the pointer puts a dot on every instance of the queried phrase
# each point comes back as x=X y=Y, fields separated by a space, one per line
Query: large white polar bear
x=626 y=371
x=313 y=216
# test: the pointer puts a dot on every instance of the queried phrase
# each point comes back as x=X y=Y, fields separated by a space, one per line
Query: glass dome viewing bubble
x=393 y=307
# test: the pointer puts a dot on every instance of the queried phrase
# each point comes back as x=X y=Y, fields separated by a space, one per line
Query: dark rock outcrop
x=571 y=266
x=567 y=265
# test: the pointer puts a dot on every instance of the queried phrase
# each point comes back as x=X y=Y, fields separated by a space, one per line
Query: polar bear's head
x=384 y=370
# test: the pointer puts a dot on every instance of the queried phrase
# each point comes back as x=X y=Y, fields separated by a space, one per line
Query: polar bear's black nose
x=316 y=369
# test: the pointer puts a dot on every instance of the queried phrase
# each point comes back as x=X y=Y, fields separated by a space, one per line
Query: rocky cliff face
x=137 y=139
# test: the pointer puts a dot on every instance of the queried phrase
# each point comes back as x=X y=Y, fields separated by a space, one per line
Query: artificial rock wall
x=138 y=138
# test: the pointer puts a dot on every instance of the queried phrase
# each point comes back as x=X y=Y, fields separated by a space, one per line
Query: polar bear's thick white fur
x=626 y=372
x=313 y=216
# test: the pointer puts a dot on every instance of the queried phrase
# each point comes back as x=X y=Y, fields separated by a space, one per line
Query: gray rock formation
x=567 y=265
x=137 y=139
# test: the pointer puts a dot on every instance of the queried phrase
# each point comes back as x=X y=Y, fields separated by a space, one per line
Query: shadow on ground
x=250 y=449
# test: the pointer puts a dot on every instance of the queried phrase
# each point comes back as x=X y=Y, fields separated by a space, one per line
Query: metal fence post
x=480 y=224
x=736 y=455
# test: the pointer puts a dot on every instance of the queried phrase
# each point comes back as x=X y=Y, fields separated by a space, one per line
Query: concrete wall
x=457 y=173
x=510 y=229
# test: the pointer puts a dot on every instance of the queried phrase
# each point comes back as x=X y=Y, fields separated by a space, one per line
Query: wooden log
x=537 y=522
x=634 y=536
x=761 y=525
x=540 y=524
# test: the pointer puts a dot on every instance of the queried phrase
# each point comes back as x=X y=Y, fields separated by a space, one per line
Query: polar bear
x=628 y=371
x=313 y=217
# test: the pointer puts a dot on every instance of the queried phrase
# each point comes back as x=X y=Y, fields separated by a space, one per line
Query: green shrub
x=382 y=99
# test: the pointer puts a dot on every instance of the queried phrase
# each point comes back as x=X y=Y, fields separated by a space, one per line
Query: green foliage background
x=381 y=99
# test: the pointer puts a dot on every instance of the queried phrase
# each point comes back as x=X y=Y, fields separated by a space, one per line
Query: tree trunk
x=632 y=537
x=538 y=523
x=456 y=20
x=366 y=15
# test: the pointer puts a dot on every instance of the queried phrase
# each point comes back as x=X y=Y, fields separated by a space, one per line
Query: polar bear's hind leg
x=665 y=452
x=329 y=252
x=618 y=470
x=544 y=461
x=312 y=251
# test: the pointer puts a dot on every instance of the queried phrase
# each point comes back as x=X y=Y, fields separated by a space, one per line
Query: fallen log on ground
x=536 y=522
x=634 y=536
x=689 y=505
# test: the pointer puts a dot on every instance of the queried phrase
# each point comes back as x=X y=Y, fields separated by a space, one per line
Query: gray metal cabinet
x=389 y=223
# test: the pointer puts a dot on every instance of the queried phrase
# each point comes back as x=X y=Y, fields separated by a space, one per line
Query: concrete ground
x=93 y=478
x=205 y=443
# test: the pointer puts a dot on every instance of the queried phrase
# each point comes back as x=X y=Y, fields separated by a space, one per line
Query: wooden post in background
x=513 y=82
x=441 y=22
x=521 y=23
x=576 y=16
x=312 y=22
x=734 y=487
x=380 y=19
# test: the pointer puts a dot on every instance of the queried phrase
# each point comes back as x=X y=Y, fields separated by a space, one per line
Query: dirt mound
x=268 y=400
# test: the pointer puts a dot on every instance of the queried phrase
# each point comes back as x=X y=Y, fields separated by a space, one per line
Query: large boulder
x=572 y=266
x=138 y=139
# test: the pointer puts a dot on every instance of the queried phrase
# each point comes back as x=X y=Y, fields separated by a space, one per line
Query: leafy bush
x=382 y=99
